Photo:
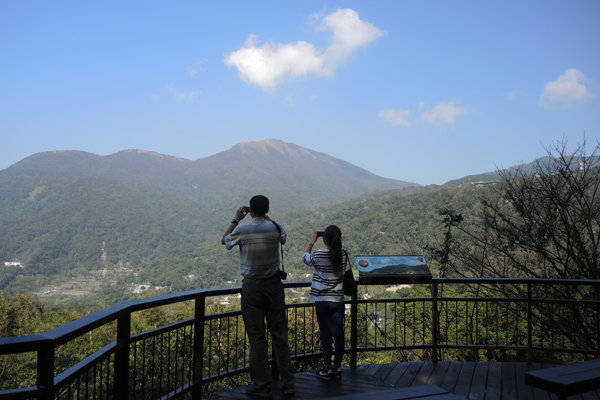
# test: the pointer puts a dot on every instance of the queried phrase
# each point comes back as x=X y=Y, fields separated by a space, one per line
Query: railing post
x=353 y=328
x=45 y=371
x=435 y=321
x=121 y=370
x=529 y=325
x=198 y=347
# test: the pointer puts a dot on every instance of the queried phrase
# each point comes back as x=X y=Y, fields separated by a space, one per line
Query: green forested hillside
x=379 y=223
x=389 y=222
x=66 y=214
x=63 y=225
x=159 y=218
x=159 y=239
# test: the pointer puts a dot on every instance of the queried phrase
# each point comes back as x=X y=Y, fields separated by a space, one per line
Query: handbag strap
x=347 y=262
x=279 y=241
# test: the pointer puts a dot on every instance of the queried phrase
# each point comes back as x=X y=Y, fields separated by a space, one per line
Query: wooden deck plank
x=569 y=375
x=570 y=369
x=372 y=369
x=395 y=374
x=509 y=382
x=384 y=371
x=309 y=386
x=409 y=376
x=524 y=392
x=418 y=392
x=538 y=394
x=590 y=395
x=467 y=380
x=451 y=377
x=424 y=374
x=439 y=371
x=463 y=384
x=552 y=395
x=493 y=390
x=479 y=382
x=353 y=381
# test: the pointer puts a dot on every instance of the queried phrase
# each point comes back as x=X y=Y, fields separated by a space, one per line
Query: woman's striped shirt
x=327 y=282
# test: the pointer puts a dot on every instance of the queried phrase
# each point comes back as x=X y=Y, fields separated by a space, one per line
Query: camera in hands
x=319 y=234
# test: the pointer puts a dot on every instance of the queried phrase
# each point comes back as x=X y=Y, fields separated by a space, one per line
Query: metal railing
x=477 y=319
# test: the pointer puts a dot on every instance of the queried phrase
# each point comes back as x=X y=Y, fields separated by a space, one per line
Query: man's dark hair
x=259 y=204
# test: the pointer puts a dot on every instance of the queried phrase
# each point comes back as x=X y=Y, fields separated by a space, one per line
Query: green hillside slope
x=380 y=223
x=69 y=212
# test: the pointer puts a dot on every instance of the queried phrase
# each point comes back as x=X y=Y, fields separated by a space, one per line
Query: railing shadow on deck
x=502 y=318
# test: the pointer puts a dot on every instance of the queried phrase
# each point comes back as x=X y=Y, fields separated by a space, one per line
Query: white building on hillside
x=16 y=263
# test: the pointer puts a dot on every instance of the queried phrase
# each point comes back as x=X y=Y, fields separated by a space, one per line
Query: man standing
x=262 y=294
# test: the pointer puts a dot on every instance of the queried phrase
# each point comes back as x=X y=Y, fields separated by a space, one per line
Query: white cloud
x=184 y=96
x=155 y=96
x=197 y=67
x=421 y=105
x=268 y=66
x=396 y=117
x=290 y=101
x=443 y=113
x=349 y=33
x=272 y=63
x=567 y=89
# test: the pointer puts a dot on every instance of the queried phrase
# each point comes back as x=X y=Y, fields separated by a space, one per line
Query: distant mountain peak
x=291 y=150
x=139 y=151
x=265 y=146
x=292 y=175
x=136 y=152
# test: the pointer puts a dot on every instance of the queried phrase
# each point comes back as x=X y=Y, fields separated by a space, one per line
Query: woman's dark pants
x=330 y=315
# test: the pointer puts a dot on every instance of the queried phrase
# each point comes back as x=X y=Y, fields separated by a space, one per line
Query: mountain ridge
x=57 y=208
x=61 y=212
x=64 y=161
x=248 y=168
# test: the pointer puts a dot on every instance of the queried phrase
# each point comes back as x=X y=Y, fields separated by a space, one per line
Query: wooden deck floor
x=469 y=380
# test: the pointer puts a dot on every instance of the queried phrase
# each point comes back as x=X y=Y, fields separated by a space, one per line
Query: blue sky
x=421 y=91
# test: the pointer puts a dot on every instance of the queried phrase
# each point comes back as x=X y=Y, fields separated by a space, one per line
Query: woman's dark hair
x=333 y=236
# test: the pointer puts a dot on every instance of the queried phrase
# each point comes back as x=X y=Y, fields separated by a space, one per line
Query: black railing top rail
x=537 y=281
x=64 y=333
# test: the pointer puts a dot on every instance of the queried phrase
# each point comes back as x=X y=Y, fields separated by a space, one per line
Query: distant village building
x=16 y=263
x=225 y=301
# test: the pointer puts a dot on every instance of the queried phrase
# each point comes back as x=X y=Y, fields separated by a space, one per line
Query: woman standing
x=327 y=292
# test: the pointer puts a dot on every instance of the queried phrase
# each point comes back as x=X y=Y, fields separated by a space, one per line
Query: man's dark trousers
x=264 y=298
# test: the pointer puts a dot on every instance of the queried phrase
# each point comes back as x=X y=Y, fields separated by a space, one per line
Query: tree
x=542 y=222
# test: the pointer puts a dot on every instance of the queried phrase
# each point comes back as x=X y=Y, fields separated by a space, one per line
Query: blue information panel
x=392 y=269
